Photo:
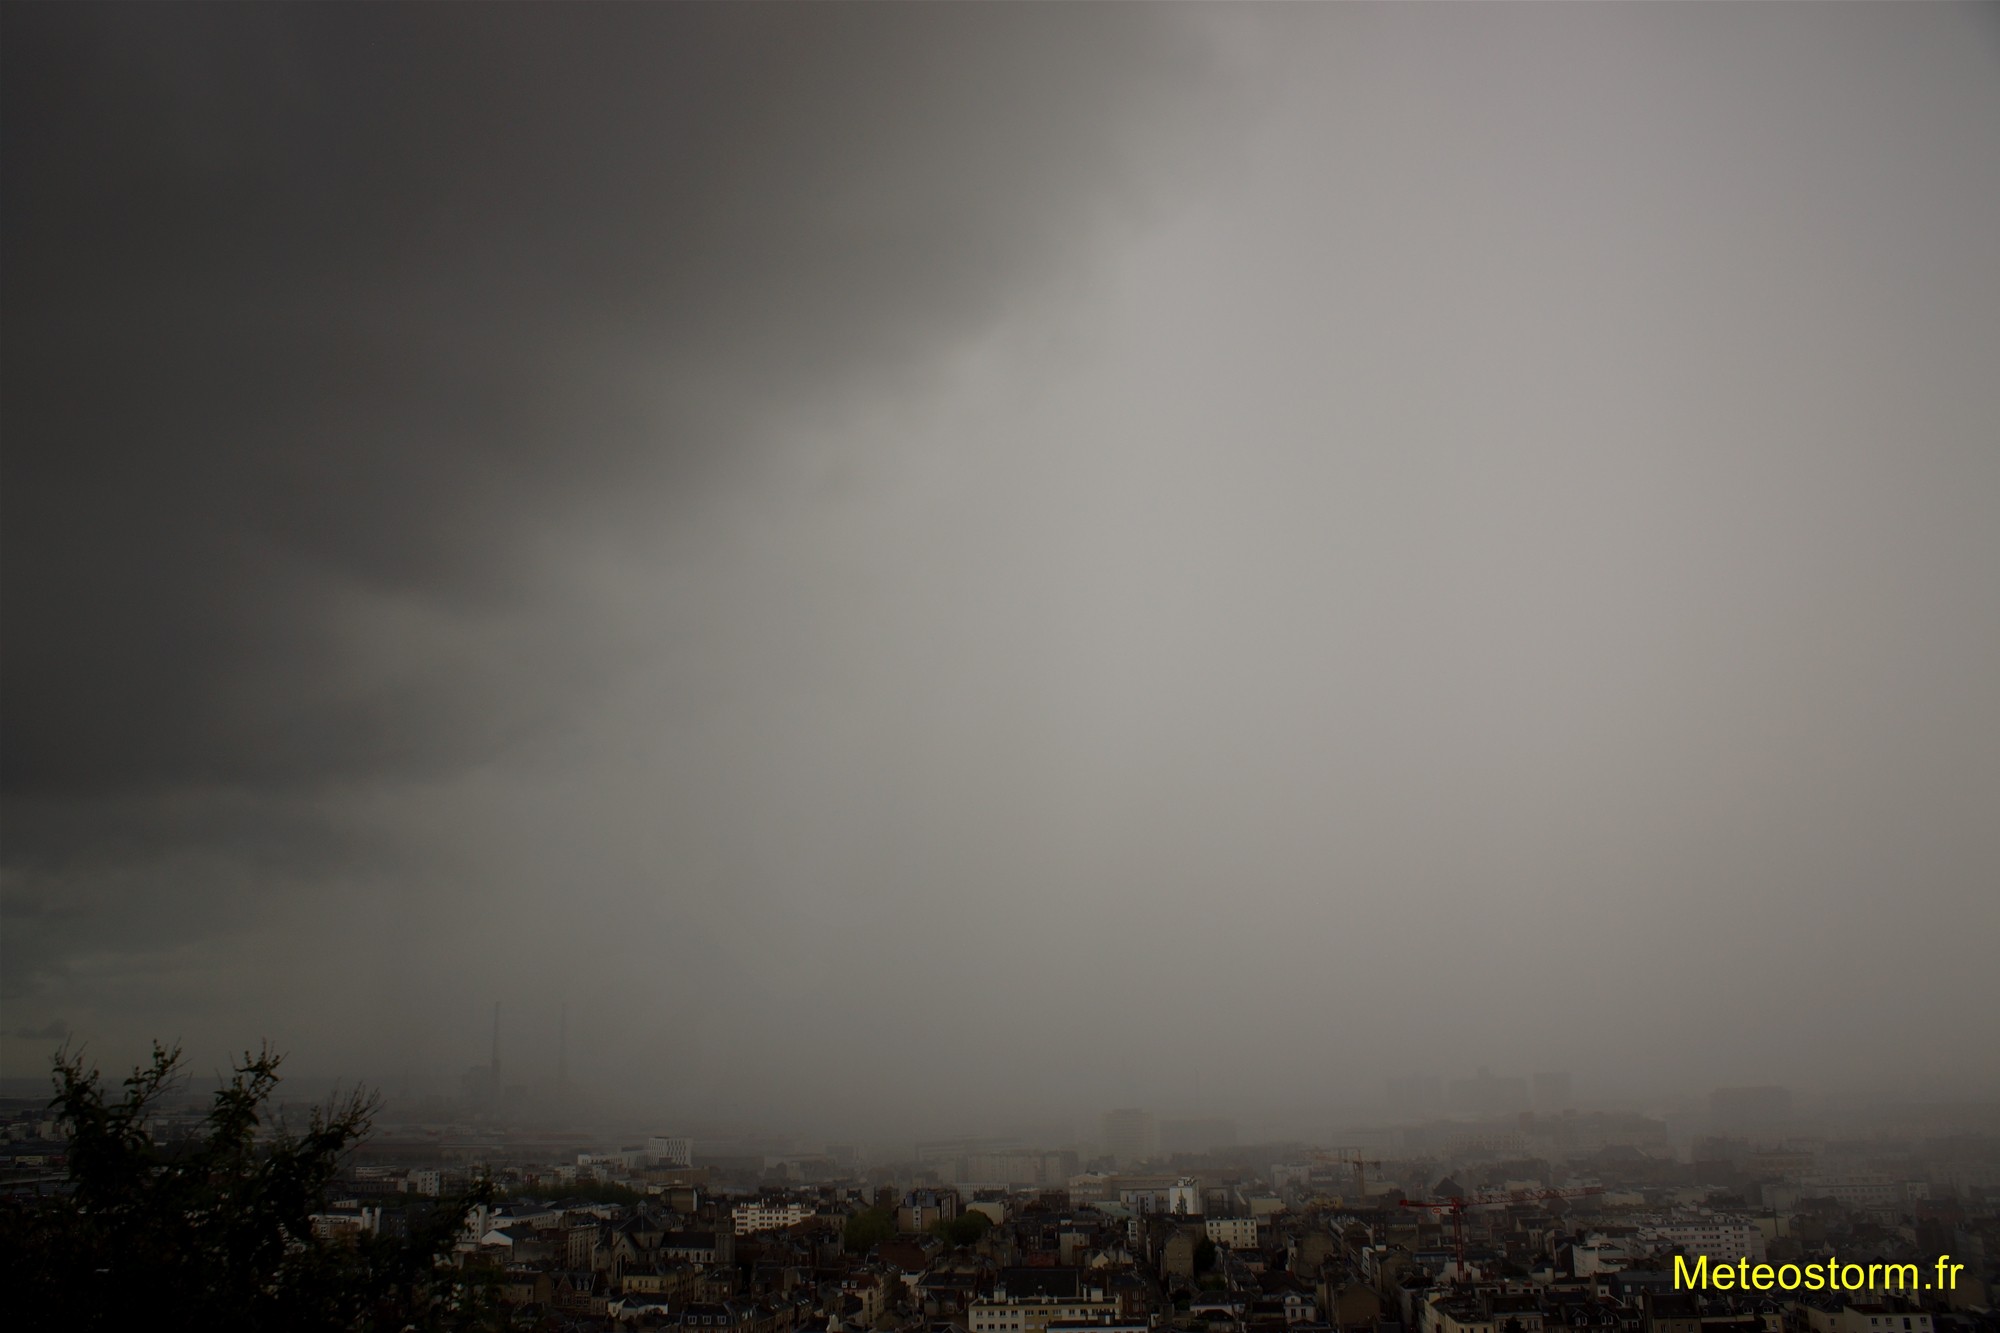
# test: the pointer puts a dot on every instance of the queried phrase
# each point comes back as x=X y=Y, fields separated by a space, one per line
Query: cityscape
x=1497 y=1204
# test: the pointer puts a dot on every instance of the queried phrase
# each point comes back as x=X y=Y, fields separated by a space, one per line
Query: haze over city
x=903 y=570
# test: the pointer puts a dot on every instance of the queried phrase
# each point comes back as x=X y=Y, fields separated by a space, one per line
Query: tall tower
x=562 y=1051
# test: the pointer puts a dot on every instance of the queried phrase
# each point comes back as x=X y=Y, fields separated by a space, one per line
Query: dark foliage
x=215 y=1232
x=867 y=1229
x=965 y=1230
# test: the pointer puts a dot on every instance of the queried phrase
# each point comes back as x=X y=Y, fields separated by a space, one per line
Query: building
x=1197 y=1136
x=1030 y=1300
x=754 y=1217
x=1130 y=1135
x=1864 y=1190
x=669 y=1150
x=1238 y=1233
x=923 y=1209
x=948 y=1154
x=1416 y=1094
x=1750 y=1109
x=1719 y=1238
x=1486 y=1093
x=1177 y=1254
x=1017 y=1169
x=1448 y=1312
x=1892 y=1316
x=1671 y=1312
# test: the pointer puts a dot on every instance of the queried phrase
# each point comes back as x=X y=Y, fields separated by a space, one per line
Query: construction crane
x=1457 y=1206
x=1348 y=1157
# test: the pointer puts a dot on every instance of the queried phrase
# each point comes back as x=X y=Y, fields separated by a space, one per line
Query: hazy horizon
x=928 y=566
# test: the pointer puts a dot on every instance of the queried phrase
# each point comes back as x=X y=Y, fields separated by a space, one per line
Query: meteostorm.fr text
x=1829 y=1275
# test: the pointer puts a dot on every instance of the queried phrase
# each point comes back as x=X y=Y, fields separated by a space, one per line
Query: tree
x=965 y=1230
x=1204 y=1255
x=867 y=1229
x=215 y=1233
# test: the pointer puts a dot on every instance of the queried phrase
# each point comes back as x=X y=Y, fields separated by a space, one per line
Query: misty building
x=1416 y=1094
x=1485 y=1093
x=1552 y=1092
x=1197 y=1136
x=1015 y=1169
x=479 y=1086
x=949 y=1152
x=1751 y=1109
x=1130 y=1135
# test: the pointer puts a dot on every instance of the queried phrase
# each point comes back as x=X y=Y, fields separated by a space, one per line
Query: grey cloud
x=53 y=1031
x=1103 y=555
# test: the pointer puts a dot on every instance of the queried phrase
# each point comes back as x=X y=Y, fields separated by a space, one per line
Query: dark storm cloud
x=319 y=315
x=1053 y=546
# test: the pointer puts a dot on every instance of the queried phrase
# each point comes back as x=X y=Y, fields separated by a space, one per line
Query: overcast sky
x=923 y=565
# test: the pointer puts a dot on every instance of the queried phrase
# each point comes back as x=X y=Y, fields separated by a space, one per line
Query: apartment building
x=1719 y=1238
x=1030 y=1300
x=1238 y=1233
x=751 y=1218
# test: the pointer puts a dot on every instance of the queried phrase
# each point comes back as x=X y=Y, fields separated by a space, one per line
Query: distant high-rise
x=1744 y=1109
x=1130 y=1135
x=1552 y=1092
x=496 y=1056
x=1486 y=1093
x=1417 y=1094
x=1197 y=1136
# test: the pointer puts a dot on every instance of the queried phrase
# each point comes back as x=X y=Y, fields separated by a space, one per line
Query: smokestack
x=562 y=1051
x=496 y=1053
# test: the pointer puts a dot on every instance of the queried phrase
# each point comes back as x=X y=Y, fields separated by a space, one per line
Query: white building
x=1238 y=1233
x=1000 y=1315
x=1722 y=1239
x=1598 y=1255
x=665 y=1150
x=755 y=1217
x=1868 y=1317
